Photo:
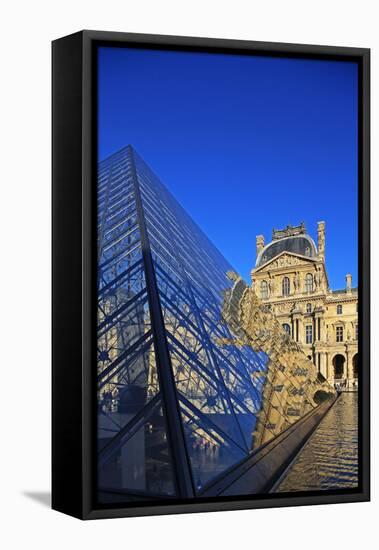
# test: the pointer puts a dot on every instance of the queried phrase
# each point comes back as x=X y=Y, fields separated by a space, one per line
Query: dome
x=297 y=244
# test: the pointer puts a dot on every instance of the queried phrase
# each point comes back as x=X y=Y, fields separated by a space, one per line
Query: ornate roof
x=291 y=239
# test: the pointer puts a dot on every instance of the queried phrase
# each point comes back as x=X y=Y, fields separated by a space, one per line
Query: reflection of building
x=115 y=335
x=295 y=386
x=290 y=278
x=179 y=404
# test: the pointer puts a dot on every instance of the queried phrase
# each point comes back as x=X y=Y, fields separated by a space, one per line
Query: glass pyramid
x=176 y=407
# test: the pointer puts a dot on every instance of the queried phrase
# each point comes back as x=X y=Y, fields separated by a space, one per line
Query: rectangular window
x=308 y=334
x=356 y=332
x=339 y=334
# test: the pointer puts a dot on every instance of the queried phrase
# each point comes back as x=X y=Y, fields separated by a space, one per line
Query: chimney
x=348 y=283
x=260 y=241
x=321 y=239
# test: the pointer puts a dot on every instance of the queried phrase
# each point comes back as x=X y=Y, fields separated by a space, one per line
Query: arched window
x=309 y=308
x=339 y=309
x=338 y=364
x=309 y=282
x=287 y=328
x=264 y=290
x=285 y=286
x=355 y=366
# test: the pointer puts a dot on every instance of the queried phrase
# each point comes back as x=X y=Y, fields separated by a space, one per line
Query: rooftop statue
x=289 y=231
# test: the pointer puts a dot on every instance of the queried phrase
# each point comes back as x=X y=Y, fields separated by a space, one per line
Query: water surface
x=330 y=458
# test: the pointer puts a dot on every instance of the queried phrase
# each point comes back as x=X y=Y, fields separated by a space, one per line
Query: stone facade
x=290 y=278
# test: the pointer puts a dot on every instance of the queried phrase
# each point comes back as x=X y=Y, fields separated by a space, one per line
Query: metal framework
x=179 y=403
x=175 y=407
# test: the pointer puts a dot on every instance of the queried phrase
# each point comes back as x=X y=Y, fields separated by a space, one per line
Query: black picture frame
x=74 y=267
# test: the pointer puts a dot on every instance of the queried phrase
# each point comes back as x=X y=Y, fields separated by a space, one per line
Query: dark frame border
x=74 y=191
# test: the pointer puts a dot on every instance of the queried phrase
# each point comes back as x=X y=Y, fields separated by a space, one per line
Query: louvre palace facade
x=290 y=277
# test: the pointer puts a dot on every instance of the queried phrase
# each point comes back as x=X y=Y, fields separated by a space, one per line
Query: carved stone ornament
x=287 y=260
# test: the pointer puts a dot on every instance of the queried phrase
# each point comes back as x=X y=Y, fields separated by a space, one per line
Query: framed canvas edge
x=88 y=169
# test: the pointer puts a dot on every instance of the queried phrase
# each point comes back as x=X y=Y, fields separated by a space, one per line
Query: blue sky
x=244 y=143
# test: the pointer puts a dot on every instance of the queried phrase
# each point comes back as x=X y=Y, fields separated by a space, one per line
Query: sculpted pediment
x=286 y=259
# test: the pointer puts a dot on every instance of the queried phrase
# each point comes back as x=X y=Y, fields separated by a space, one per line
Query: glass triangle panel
x=136 y=464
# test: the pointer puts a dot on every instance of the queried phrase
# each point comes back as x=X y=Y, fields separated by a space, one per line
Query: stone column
x=301 y=331
x=323 y=331
x=327 y=366
x=346 y=368
x=296 y=323
x=323 y=364
x=349 y=367
x=317 y=337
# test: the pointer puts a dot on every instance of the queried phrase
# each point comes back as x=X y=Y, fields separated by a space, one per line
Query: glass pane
x=137 y=462
x=210 y=452
x=202 y=389
x=220 y=384
x=125 y=386
x=235 y=393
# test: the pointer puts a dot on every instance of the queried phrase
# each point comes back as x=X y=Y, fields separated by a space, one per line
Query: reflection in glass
x=162 y=285
x=137 y=460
